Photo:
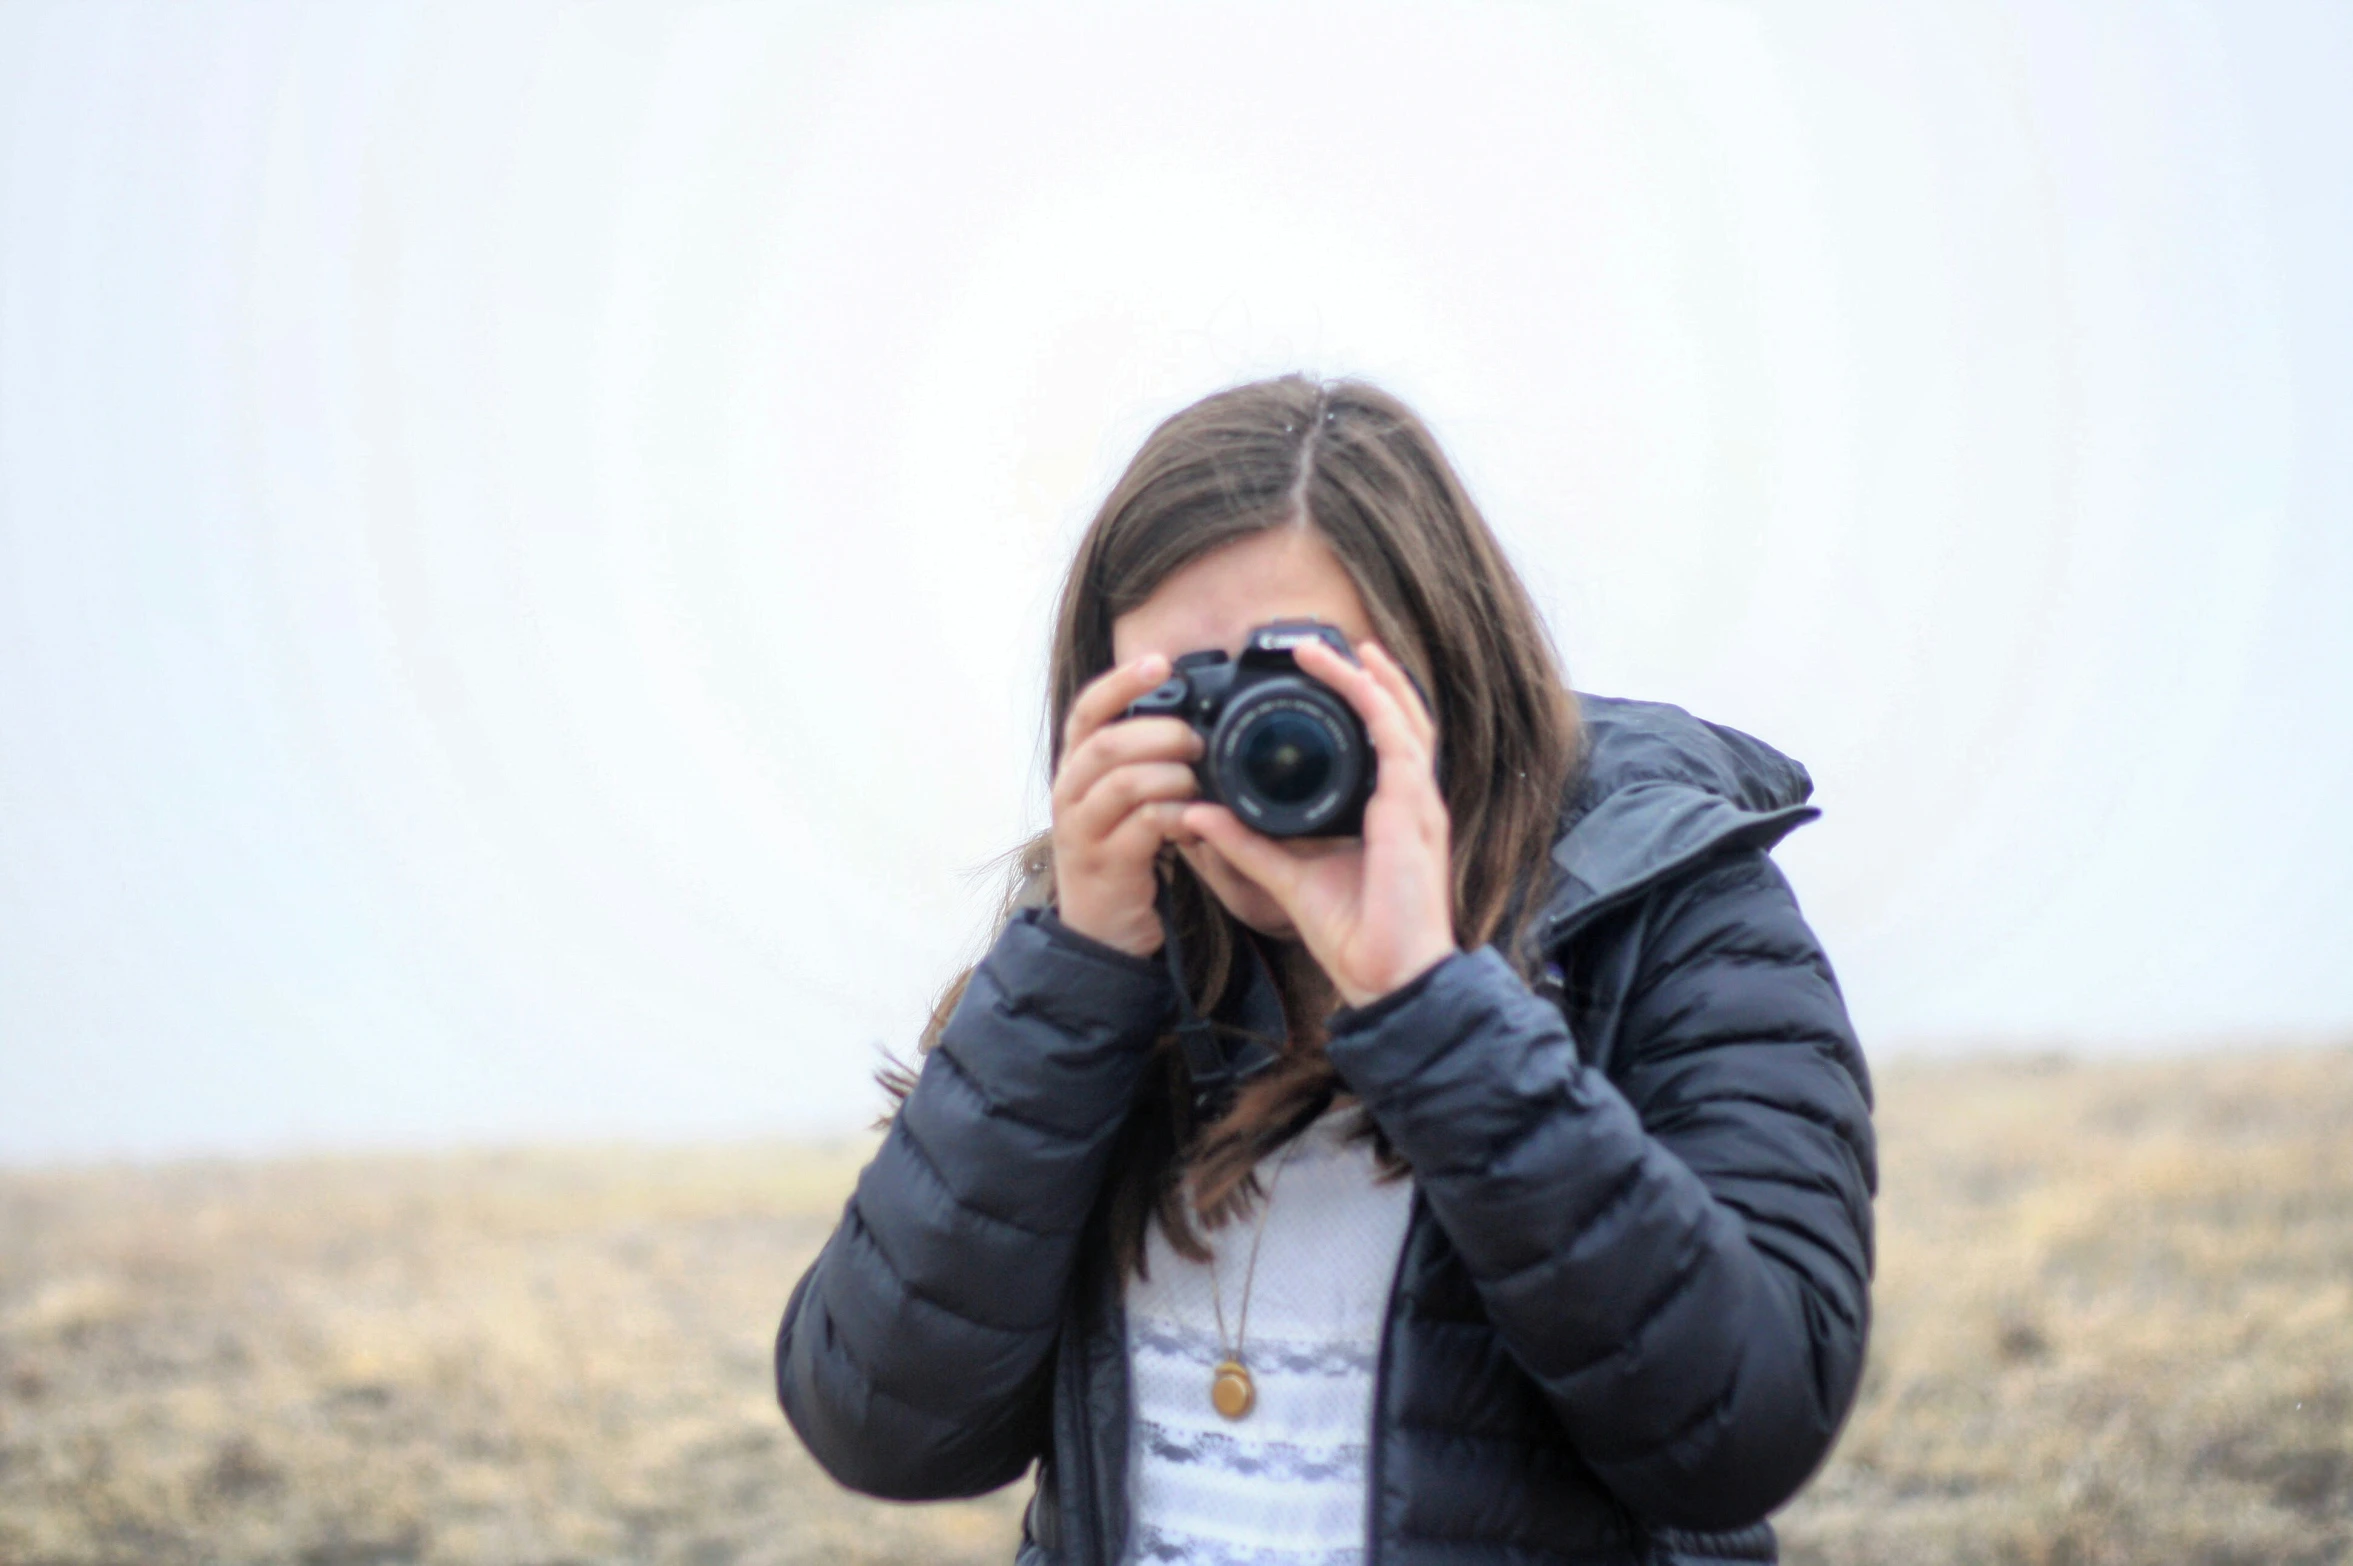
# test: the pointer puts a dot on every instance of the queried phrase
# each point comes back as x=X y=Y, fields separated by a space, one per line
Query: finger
x=1386 y=672
x=1405 y=769
x=1386 y=669
x=1108 y=695
x=1256 y=856
x=1121 y=744
x=1150 y=825
x=1098 y=814
x=1396 y=740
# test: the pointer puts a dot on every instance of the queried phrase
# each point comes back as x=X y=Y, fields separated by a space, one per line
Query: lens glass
x=1286 y=758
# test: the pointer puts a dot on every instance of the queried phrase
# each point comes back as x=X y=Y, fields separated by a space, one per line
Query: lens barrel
x=1288 y=757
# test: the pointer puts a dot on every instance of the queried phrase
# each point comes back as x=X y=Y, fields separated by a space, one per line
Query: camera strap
x=1215 y=1066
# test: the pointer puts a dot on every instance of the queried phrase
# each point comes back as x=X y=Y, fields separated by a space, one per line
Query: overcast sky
x=526 y=531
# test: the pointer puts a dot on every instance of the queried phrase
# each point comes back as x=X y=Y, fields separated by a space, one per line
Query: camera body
x=1280 y=749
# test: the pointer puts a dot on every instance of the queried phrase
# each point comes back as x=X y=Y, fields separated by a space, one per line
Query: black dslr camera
x=1282 y=750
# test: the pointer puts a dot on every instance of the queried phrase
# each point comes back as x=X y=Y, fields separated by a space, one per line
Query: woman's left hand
x=1377 y=911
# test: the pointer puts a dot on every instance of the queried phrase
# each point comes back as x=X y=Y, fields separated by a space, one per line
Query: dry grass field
x=2115 y=1325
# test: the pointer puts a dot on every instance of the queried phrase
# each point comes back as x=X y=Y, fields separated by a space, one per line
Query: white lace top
x=1284 y=1486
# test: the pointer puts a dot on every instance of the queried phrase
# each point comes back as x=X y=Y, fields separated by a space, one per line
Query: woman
x=1530 y=1120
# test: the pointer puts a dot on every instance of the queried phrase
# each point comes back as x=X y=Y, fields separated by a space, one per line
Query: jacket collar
x=1658 y=791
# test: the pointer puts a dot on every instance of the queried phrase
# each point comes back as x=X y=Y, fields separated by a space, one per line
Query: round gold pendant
x=1231 y=1392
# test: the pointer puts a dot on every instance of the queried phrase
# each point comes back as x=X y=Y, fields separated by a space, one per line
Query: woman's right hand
x=1119 y=791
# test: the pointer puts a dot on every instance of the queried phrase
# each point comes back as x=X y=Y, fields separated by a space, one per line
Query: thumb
x=1255 y=856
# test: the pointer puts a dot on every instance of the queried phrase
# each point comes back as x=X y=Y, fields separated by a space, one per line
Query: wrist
x=1357 y=996
x=1139 y=939
x=1358 y=1018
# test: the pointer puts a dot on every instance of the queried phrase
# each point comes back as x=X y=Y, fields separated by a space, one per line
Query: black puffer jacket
x=1630 y=1310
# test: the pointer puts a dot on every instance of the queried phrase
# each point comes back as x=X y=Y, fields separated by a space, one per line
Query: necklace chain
x=1231 y=1390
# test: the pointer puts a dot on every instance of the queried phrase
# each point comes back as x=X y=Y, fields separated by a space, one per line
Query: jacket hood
x=1657 y=791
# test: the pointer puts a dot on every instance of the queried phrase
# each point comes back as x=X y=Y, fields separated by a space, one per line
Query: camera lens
x=1286 y=758
x=1289 y=758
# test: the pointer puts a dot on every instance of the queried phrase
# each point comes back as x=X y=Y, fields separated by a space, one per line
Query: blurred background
x=526 y=531
x=526 y=539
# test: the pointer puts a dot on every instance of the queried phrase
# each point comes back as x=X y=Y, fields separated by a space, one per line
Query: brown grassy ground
x=2116 y=1325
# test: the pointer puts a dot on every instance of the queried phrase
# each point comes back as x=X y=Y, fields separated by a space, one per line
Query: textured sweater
x=1284 y=1486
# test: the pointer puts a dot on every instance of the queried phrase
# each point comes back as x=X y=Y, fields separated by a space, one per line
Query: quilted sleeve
x=1682 y=1264
x=915 y=1354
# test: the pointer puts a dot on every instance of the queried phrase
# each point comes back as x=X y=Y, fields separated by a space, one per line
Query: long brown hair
x=1356 y=465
